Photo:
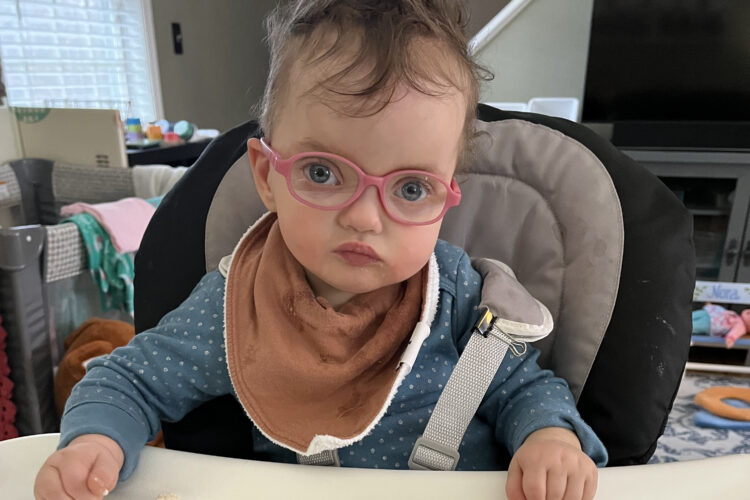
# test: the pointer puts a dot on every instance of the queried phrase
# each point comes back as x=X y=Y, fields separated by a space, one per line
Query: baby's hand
x=550 y=465
x=86 y=469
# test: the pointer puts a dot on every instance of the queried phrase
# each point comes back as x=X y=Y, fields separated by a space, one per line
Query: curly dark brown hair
x=373 y=46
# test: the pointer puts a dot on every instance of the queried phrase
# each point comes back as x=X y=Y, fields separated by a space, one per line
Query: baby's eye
x=320 y=174
x=412 y=190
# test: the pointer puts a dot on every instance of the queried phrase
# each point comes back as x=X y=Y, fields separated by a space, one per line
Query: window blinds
x=76 y=54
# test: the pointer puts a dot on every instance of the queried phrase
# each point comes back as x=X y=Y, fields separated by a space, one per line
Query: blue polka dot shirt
x=167 y=371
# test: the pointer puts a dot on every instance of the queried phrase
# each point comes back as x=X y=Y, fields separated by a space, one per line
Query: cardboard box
x=80 y=136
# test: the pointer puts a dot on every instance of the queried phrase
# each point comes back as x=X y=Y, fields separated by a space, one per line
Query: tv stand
x=685 y=136
x=715 y=188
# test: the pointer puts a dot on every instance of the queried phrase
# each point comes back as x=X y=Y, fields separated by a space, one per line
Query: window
x=77 y=54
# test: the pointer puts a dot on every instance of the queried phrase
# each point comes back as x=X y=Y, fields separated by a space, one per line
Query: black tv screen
x=669 y=61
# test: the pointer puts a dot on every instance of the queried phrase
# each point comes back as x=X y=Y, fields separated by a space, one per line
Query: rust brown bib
x=300 y=368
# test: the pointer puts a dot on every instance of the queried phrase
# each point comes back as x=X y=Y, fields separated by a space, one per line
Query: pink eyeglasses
x=331 y=182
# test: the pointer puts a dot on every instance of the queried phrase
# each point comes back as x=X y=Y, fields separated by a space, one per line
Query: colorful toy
x=722 y=323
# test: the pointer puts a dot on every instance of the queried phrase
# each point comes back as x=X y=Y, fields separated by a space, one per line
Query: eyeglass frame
x=284 y=167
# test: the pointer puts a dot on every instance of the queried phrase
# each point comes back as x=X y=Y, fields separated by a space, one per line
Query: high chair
x=590 y=233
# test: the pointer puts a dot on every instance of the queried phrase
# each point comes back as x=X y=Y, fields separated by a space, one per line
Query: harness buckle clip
x=484 y=324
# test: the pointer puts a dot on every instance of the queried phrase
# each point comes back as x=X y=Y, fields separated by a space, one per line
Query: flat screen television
x=672 y=74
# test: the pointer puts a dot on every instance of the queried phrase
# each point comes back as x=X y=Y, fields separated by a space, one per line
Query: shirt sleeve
x=522 y=398
x=162 y=374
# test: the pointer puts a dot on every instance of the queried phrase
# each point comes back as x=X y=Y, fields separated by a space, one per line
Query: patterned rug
x=683 y=440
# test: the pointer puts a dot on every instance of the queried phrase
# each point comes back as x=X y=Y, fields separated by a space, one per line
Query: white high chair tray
x=189 y=476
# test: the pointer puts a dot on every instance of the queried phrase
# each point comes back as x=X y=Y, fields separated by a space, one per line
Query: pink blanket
x=125 y=220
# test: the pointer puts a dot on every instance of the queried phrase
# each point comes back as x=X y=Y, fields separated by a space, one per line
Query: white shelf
x=715 y=367
x=708 y=341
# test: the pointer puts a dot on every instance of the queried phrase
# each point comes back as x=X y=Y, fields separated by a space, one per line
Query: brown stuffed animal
x=95 y=337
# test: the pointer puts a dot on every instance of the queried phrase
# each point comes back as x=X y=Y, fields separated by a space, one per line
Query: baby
x=368 y=113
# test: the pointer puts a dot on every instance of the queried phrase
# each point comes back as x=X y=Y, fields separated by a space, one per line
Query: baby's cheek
x=304 y=246
x=414 y=255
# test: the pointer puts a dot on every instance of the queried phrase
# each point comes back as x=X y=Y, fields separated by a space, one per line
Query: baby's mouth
x=357 y=254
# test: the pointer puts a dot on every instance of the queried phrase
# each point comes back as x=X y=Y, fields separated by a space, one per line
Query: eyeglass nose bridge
x=364 y=182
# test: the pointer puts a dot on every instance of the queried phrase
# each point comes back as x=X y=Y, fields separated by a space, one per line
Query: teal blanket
x=111 y=271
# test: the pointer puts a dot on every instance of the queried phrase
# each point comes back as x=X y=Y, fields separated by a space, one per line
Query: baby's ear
x=261 y=169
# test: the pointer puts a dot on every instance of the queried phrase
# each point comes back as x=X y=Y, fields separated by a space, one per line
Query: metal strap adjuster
x=328 y=458
x=420 y=459
x=486 y=320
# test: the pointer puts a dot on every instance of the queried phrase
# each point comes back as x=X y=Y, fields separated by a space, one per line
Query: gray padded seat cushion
x=534 y=199
x=550 y=211
x=235 y=207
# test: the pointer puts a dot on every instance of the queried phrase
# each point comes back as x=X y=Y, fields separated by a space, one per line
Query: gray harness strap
x=509 y=320
x=437 y=449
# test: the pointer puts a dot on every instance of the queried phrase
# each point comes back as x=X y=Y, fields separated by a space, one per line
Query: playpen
x=44 y=290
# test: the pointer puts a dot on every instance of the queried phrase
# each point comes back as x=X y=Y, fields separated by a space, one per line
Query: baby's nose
x=365 y=214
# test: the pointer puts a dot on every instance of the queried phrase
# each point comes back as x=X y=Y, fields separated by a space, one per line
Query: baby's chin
x=358 y=288
x=356 y=284
x=338 y=284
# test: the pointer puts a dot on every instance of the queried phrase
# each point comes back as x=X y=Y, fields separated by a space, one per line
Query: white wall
x=10 y=149
x=222 y=71
x=542 y=52
x=480 y=13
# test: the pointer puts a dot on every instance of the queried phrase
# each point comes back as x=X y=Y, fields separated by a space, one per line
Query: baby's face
x=414 y=132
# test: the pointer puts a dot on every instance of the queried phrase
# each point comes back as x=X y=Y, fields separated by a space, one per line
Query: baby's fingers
x=48 y=485
x=582 y=483
x=557 y=481
x=513 y=485
x=575 y=488
x=592 y=482
x=73 y=474
x=103 y=476
x=535 y=483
